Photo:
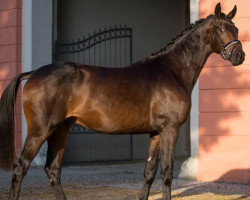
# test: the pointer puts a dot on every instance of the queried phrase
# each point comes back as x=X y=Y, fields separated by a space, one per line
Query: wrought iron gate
x=111 y=47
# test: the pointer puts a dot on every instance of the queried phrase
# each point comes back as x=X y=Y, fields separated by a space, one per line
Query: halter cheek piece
x=224 y=47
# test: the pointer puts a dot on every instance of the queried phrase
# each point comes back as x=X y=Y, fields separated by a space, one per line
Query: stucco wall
x=224 y=130
x=10 y=54
x=154 y=23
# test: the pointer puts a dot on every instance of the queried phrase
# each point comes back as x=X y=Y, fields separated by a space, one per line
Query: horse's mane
x=178 y=36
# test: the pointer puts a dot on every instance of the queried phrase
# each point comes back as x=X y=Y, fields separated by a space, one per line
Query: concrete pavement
x=114 y=181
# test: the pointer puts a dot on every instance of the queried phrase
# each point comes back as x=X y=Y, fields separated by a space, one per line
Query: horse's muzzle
x=238 y=56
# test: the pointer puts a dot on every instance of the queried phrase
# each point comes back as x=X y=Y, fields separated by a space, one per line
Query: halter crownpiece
x=224 y=47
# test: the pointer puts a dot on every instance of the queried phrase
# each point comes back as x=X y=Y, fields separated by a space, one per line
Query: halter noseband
x=224 y=47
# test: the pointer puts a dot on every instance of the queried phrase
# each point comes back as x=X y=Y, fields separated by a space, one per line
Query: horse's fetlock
x=54 y=175
x=54 y=180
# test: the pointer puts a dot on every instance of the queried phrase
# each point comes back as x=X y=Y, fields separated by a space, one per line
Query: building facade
x=224 y=132
x=11 y=58
x=215 y=141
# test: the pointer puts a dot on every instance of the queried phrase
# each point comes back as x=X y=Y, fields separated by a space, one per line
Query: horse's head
x=224 y=38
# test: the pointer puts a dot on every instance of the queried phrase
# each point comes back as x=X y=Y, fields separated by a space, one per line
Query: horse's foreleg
x=151 y=165
x=22 y=163
x=56 y=147
x=168 y=141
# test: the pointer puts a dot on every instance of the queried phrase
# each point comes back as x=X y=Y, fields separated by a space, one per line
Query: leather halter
x=224 y=47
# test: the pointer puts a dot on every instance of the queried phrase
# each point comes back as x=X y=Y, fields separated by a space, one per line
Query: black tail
x=7 y=122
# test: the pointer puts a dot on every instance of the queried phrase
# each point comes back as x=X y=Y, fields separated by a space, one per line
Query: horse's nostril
x=238 y=56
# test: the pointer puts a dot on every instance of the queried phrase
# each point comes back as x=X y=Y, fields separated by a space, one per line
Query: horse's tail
x=7 y=121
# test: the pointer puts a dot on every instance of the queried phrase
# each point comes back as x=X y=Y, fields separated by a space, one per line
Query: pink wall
x=10 y=53
x=224 y=96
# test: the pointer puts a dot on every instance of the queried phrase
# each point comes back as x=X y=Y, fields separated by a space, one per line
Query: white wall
x=190 y=166
x=194 y=114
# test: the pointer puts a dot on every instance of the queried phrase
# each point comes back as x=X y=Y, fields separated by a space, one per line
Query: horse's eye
x=222 y=30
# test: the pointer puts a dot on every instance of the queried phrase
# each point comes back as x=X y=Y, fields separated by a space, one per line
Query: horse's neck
x=190 y=54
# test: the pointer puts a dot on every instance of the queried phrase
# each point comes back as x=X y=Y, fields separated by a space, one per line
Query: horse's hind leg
x=31 y=146
x=151 y=165
x=56 y=147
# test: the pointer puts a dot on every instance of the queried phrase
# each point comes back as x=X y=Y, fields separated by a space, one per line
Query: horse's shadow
x=219 y=187
x=241 y=191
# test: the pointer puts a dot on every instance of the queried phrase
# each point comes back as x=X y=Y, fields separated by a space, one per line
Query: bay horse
x=150 y=96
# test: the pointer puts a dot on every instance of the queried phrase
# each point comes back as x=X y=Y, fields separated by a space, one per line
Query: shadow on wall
x=224 y=98
x=232 y=176
x=224 y=128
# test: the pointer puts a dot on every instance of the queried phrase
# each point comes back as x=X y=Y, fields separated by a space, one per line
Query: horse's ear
x=232 y=13
x=217 y=10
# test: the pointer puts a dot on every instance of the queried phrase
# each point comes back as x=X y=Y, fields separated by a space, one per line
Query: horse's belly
x=115 y=121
